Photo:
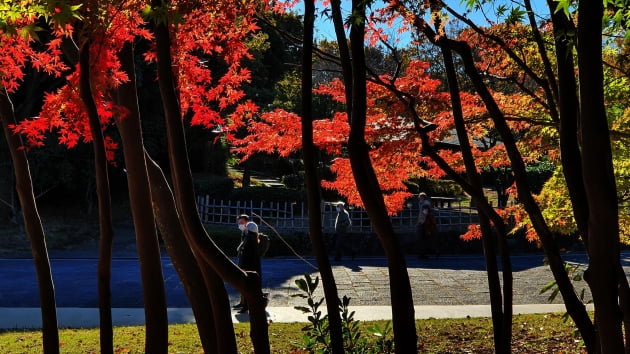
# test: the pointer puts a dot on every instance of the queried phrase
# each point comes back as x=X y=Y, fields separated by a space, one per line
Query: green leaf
x=516 y=16
x=501 y=10
x=302 y=308
x=553 y=295
x=470 y=4
x=301 y=284
x=563 y=5
x=548 y=286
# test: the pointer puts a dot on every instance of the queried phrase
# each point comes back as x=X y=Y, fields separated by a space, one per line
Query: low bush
x=269 y=194
x=227 y=239
x=214 y=186
x=435 y=187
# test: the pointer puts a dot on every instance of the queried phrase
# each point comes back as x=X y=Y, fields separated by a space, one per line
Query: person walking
x=247 y=250
x=430 y=231
x=422 y=237
x=342 y=225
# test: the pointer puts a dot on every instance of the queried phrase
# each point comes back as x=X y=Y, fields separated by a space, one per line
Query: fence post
x=199 y=207
x=206 y=206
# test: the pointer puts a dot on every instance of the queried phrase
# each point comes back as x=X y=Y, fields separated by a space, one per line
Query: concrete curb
x=74 y=317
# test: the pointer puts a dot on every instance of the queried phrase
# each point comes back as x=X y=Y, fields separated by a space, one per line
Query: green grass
x=540 y=333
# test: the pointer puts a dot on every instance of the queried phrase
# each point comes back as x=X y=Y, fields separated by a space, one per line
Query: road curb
x=75 y=317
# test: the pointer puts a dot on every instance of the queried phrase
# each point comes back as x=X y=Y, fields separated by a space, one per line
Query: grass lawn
x=544 y=333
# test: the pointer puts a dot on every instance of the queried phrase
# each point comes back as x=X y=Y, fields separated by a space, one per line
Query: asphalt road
x=449 y=280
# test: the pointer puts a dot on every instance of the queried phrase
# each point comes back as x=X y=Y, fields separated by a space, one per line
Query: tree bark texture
x=32 y=225
x=599 y=180
x=312 y=184
x=106 y=228
x=403 y=313
x=153 y=291
x=246 y=283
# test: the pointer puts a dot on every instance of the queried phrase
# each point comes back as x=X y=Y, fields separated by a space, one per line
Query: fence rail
x=294 y=216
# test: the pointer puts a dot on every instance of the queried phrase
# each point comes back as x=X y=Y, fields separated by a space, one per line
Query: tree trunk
x=247 y=283
x=568 y=104
x=403 y=313
x=32 y=225
x=167 y=219
x=344 y=52
x=312 y=184
x=599 y=180
x=574 y=305
x=106 y=228
x=501 y=316
x=154 y=295
x=214 y=338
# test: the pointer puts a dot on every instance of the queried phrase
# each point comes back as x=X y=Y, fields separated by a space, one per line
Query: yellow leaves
x=556 y=205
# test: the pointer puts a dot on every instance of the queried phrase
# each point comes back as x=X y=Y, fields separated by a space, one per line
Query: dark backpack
x=263 y=244
x=430 y=225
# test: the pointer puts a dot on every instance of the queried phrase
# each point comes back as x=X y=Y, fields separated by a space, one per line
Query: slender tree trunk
x=197 y=283
x=599 y=180
x=624 y=303
x=32 y=225
x=501 y=306
x=248 y=283
x=403 y=313
x=344 y=52
x=568 y=107
x=154 y=294
x=575 y=307
x=106 y=228
x=312 y=184
x=196 y=276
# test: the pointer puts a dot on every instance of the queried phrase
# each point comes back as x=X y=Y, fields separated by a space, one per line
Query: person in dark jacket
x=422 y=237
x=248 y=258
x=342 y=226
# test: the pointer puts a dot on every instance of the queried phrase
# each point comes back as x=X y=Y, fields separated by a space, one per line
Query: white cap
x=251 y=226
x=341 y=204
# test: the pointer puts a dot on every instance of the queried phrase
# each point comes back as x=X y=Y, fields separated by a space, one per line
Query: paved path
x=451 y=280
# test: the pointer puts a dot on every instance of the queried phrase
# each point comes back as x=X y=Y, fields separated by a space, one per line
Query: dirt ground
x=70 y=232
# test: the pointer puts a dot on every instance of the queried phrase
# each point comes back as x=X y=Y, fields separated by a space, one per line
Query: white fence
x=294 y=216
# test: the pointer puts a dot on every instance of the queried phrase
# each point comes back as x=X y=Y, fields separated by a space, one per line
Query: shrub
x=297 y=242
x=538 y=174
x=214 y=186
x=227 y=239
x=316 y=338
x=435 y=187
x=294 y=180
x=269 y=194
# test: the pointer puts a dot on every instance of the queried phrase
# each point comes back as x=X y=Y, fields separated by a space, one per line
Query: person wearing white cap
x=248 y=258
x=342 y=224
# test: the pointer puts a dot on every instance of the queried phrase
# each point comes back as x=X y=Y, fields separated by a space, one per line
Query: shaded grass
x=539 y=333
